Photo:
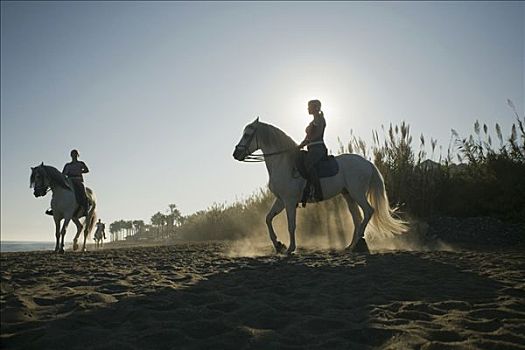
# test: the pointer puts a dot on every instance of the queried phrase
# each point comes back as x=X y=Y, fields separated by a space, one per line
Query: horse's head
x=39 y=180
x=248 y=143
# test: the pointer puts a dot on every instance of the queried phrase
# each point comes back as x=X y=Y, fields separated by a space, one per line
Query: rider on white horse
x=316 y=149
x=101 y=229
x=74 y=170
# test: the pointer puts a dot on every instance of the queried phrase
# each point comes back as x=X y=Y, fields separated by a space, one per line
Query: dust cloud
x=329 y=226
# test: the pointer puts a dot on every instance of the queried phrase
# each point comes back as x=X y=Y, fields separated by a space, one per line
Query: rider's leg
x=318 y=192
x=80 y=193
x=314 y=155
x=309 y=164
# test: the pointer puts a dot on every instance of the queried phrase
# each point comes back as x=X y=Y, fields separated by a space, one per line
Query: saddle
x=80 y=195
x=327 y=167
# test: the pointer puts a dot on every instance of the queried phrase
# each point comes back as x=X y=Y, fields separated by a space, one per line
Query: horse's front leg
x=79 y=229
x=291 y=209
x=63 y=234
x=277 y=207
x=57 y=233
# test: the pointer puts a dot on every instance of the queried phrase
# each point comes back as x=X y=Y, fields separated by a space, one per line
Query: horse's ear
x=42 y=164
x=257 y=120
x=32 y=168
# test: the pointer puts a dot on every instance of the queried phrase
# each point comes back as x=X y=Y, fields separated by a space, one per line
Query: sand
x=198 y=296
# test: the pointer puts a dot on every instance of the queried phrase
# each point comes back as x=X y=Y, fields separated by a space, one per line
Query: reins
x=256 y=158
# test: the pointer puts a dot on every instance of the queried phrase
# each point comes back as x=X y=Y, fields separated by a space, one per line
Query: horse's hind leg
x=368 y=211
x=357 y=218
x=79 y=229
x=84 y=243
x=291 y=210
x=277 y=207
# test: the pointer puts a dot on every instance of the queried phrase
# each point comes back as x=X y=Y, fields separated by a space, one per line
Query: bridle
x=256 y=158
x=41 y=189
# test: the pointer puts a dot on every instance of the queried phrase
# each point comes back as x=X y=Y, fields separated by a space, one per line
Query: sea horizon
x=27 y=246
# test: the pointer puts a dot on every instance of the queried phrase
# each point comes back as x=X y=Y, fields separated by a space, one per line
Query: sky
x=155 y=95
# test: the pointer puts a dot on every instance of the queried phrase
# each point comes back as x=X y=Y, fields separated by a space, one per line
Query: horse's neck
x=59 y=191
x=279 y=166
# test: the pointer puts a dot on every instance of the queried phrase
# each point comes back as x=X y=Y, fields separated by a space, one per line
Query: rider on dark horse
x=316 y=149
x=74 y=170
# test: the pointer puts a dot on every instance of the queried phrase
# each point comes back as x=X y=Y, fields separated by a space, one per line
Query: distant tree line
x=161 y=226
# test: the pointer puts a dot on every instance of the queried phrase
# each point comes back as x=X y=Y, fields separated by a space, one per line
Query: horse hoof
x=361 y=246
x=61 y=251
x=280 y=248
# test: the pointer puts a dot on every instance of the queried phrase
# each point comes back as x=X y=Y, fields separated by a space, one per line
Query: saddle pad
x=327 y=167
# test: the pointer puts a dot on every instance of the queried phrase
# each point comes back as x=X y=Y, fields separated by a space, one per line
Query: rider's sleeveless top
x=74 y=170
x=317 y=126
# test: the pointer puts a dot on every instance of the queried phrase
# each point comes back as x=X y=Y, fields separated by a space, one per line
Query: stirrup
x=307 y=194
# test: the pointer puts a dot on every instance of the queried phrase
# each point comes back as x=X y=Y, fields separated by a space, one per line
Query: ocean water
x=27 y=246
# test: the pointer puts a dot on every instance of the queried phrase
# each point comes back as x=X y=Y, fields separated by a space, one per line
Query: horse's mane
x=56 y=176
x=53 y=174
x=270 y=134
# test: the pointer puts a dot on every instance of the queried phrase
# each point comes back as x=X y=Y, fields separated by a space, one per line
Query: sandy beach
x=199 y=296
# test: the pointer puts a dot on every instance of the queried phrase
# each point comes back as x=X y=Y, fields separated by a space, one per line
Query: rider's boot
x=306 y=194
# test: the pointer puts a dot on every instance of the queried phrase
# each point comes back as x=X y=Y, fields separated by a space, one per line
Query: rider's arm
x=304 y=142
x=307 y=138
x=84 y=168
x=65 y=170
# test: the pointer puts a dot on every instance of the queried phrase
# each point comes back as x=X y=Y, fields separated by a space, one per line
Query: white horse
x=358 y=180
x=63 y=203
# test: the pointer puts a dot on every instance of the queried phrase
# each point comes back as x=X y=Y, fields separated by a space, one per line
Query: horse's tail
x=91 y=216
x=382 y=218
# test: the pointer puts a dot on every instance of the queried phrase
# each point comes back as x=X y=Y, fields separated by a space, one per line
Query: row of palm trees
x=161 y=226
